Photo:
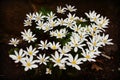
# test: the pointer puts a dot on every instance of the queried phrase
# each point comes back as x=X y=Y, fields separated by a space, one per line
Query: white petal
x=77 y=67
x=76 y=57
x=13 y=57
x=75 y=49
x=26 y=68
x=34 y=66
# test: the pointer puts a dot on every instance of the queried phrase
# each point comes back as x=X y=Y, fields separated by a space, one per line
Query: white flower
x=53 y=24
x=29 y=63
x=31 y=51
x=93 y=16
x=50 y=16
x=92 y=33
x=58 y=59
x=69 y=23
x=94 y=28
x=30 y=16
x=42 y=59
x=62 y=67
x=70 y=8
x=88 y=56
x=52 y=33
x=74 y=62
x=95 y=41
x=61 y=33
x=72 y=17
x=27 y=23
x=61 y=22
x=87 y=29
x=64 y=50
x=40 y=25
x=38 y=16
x=61 y=10
x=76 y=28
x=18 y=57
x=105 y=40
x=43 y=45
x=46 y=27
x=14 y=41
x=82 y=35
x=28 y=36
x=76 y=43
x=94 y=50
x=48 y=71
x=102 y=23
x=68 y=47
x=82 y=19
x=54 y=46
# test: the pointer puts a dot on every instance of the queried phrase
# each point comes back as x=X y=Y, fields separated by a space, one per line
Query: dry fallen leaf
x=96 y=67
x=99 y=61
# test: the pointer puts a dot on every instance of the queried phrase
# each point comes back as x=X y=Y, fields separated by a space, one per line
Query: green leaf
x=11 y=51
x=44 y=11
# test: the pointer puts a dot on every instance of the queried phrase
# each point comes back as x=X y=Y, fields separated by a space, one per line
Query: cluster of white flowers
x=75 y=40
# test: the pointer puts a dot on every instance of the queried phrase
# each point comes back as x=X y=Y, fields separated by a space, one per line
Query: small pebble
x=112 y=70
x=118 y=69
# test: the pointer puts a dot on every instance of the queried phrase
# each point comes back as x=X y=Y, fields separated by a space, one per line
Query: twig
x=106 y=56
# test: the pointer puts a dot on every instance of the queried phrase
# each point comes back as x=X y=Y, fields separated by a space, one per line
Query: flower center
x=104 y=40
x=92 y=50
x=72 y=18
x=40 y=25
x=30 y=37
x=94 y=43
x=28 y=64
x=58 y=60
x=59 y=35
x=54 y=47
x=38 y=18
x=19 y=57
x=81 y=36
x=73 y=62
x=30 y=53
x=42 y=60
x=94 y=29
x=87 y=56
x=95 y=19
x=63 y=52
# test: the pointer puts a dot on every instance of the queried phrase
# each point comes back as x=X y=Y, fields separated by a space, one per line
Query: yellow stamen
x=92 y=50
x=54 y=47
x=63 y=52
x=19 y=57
x=94 y=19
x=73 y=62
x=59 y=35
x=94 y=29
x=37 y=18
x=104 y=40
x=52 y=24
x=58 y=60
x=80 y=20
x=81 y=36
x=72 y=18
x=42 y=60
x=30 y=53
x=94 y=43
x=87 y=56
x=30 y=38
x=28 y=64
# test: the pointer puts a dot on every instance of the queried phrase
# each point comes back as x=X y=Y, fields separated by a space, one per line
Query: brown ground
x=12 y=14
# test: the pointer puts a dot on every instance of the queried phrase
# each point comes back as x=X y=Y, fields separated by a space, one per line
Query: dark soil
x=12 y=15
